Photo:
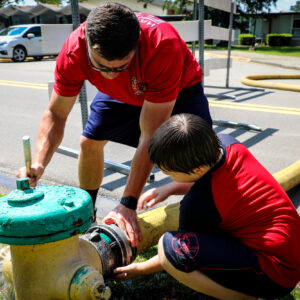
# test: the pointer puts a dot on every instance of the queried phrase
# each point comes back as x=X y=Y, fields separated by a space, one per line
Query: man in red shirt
x=144 y=73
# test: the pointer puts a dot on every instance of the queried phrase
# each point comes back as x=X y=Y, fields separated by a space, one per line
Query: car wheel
x=19 y=54
x=38 y=58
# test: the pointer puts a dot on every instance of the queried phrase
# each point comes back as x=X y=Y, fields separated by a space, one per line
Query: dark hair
x=112 y=30
x=184 y=142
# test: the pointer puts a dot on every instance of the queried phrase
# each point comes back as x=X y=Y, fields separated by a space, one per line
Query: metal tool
x=27 y=153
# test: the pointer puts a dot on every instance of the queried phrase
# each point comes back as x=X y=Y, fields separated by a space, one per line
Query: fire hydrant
x=49 y=260
x=42 y=227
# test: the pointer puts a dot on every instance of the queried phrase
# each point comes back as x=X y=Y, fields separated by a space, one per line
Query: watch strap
x=129 y=202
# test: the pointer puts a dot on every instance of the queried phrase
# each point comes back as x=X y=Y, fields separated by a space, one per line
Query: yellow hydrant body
x=42 y=226
x=45 y=271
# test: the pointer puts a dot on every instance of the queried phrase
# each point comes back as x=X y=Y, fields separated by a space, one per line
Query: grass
x=159 y=286
x=281 y=51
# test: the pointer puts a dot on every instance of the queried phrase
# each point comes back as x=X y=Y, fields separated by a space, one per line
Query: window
x=296 y=28
x=12 y=31
x=35 y=30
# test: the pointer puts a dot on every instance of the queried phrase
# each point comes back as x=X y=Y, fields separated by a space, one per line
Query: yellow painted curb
x=253 y=80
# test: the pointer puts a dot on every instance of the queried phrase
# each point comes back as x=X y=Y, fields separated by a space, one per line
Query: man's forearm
x=50 y=134
x=140 y=170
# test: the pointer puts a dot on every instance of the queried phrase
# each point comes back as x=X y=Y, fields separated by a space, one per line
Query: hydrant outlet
x=112 y=246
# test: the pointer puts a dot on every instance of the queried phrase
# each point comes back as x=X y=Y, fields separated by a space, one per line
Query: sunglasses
x=108 y=70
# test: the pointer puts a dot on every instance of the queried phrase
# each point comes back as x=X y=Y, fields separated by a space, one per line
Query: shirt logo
x=149 y=20
x=186 y=243
x=138 y=87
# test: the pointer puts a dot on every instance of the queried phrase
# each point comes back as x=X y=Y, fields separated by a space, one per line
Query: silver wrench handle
x=27 y=153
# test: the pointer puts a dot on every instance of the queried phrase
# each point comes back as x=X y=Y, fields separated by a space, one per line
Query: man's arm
x=50 y=134
x=152 y=116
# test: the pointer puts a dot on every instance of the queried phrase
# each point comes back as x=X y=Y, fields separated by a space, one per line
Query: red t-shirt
x=163 y=68
x=243 y=199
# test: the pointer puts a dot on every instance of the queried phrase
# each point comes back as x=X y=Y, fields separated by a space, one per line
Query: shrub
x=279 y=39
x=246 y=39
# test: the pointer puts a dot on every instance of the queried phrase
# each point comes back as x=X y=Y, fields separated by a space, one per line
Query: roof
x=282 y=12
x=40 y=9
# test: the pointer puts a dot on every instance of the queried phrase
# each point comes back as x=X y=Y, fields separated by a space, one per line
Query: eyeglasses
x=108 y=70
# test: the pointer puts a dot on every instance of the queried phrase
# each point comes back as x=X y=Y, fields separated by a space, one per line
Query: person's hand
x=36 y=171
x=152 y=197
x=126 y=219
x=127 y=272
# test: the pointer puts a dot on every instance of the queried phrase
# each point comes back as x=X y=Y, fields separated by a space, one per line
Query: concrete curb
x=253 y=60
x=274 y=64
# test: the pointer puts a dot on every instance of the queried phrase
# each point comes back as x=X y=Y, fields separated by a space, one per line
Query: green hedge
x=279 y=39
x=246 y=39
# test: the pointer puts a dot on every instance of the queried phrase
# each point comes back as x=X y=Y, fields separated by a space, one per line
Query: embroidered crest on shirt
x=137 y=86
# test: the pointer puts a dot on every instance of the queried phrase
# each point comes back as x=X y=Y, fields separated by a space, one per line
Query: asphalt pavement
x=24 y=96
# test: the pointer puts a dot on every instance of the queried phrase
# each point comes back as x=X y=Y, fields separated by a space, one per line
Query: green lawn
x=283 y=51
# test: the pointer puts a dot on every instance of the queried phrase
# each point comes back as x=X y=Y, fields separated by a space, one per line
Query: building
x=54 y=14
x=281 y=22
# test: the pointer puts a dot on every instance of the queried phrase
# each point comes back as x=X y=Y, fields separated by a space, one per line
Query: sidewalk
x=287 y=62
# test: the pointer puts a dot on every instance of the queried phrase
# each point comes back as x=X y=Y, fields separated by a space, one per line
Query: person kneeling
x=239 y=233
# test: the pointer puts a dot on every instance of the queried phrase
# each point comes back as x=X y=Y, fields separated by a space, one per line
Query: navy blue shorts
x=116 y=121
x=223 y=259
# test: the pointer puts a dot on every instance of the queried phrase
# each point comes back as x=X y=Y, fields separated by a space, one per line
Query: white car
x=36 y=40
x=18 y=42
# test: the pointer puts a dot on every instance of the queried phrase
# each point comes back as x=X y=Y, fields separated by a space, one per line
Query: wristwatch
x=129 y=202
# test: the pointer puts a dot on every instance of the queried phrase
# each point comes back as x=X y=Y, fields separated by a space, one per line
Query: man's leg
x=91 y=165
x=198 y=281
x=109 y=120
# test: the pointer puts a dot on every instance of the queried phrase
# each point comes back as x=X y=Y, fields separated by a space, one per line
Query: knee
x=177 y=250
x=163 y=250
x=90 y=145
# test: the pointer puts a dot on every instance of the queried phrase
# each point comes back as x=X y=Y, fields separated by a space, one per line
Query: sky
x=281 y=4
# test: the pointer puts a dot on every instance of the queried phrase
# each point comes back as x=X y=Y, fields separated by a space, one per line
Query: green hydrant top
x=43 y=214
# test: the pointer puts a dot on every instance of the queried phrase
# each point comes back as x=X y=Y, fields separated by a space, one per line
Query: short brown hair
x=184 y=142
x=113 y=30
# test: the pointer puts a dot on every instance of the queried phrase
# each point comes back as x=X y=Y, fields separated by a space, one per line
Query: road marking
x=223 y=104
x=30 y=85
x=256 y=107
x=238 y=58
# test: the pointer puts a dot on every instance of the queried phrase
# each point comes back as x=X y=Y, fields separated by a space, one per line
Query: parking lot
x=24 y=96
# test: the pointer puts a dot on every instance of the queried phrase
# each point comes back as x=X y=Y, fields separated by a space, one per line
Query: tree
x=295 y=7
x=56 y=2
x=7 y=2
x=180 y=7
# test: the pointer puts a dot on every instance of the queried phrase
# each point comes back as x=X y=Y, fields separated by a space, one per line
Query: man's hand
x=36 y=171
x=126 y=219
